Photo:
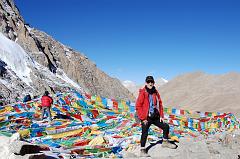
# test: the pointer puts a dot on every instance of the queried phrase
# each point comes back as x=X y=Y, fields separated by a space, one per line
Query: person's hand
x=161 y=119
x=145 y=122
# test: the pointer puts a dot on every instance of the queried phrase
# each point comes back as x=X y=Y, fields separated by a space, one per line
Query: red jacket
x=46 y=101
x=142 y=104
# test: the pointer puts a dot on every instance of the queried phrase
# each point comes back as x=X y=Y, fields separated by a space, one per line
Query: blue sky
x=130 y=39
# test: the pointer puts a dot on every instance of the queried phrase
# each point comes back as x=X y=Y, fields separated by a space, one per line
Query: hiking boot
x=168 y=144
x=143 y=153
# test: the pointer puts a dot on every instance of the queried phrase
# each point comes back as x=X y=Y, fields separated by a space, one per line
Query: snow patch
x=64 y=77
x=166 y=81
x=4 y=82
x=15 y=58
x=128 y=83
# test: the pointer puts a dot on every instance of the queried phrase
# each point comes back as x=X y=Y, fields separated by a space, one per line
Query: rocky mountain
x=134 y=88
x=54 y=63
x=203 y=92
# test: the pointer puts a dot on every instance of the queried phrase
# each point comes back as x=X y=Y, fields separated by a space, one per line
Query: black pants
x=145 y=127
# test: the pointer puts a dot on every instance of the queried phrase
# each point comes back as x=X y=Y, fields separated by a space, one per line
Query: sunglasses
x=150 y=81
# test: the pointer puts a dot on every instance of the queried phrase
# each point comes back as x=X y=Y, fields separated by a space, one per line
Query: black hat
x=46 y=93
x=149 y=78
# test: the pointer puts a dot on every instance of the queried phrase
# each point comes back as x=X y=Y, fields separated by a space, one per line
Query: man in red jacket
x=149 y=110
x=46 y=105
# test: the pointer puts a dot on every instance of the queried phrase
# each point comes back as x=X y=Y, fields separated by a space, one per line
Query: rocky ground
x=223 y=145
x=219 y=146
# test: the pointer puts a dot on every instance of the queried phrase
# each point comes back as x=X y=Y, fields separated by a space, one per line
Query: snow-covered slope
x=24 y=75
x=15 y=58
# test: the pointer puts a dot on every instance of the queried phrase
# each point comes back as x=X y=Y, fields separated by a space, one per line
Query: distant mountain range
x=198 y=91
x=203 y=92
x=134 y=88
